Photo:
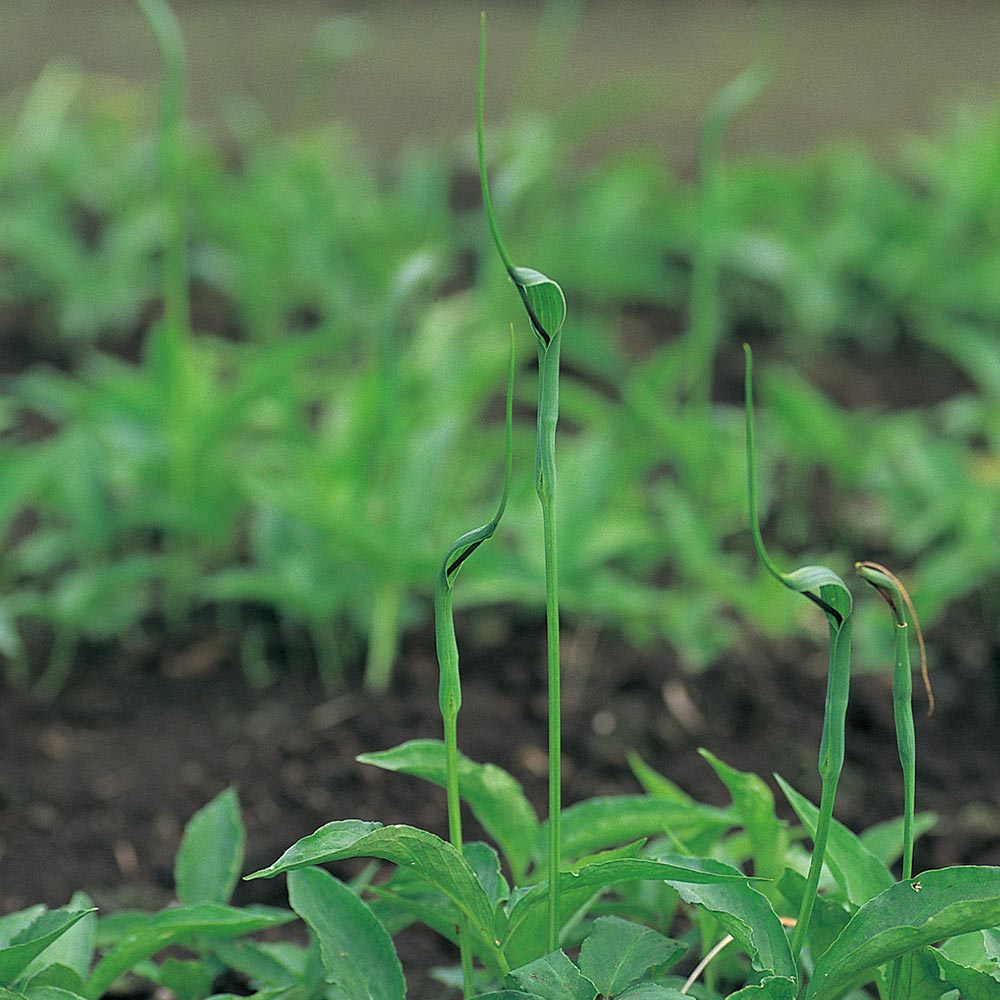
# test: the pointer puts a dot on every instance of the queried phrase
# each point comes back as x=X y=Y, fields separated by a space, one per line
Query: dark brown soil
x=94 y=790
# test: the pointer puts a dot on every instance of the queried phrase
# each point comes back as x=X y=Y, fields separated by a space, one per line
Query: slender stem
x=831 y=763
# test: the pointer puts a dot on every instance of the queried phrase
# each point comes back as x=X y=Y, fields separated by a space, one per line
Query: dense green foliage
x=331 y=411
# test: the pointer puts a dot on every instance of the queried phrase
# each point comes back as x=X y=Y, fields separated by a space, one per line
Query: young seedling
x=904 y=615
x=450 y=687
x=545 y=305
x=828 y=592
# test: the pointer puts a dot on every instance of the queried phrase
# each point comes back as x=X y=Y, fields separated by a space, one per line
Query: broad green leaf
x=543 y=299
x=67 y=960
x=754 y=805
x=554 y=977
x=210 y=856
x=654 y=783
x=908 y=915
x=971 y=983
x=602 y=822
x=617 y=952
x=257 y=962
x=494 y=796
x=770 y=988
x=50 y=993
x=859 y=873
x=358 y=954
x=12 y=924
x=522 y=936
x=743 y=912
x=426 y=855
x=180 y=925
x=885 y=840
x=33 y=939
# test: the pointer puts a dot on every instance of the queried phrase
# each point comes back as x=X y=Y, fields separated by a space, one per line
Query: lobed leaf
x=494 y=796
x=906 y=916
x=358 y=954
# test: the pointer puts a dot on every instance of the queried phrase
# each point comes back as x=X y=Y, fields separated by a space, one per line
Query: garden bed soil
x=94 y=790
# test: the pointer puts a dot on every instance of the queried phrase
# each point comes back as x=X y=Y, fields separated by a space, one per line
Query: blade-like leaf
x=210 y=856
x=908 y=915
x=426 y=855
x=856 y=869
x=180 y=925
x=885 y=840
x=494 y=796
x=358 y=954
x=618 y=952
x=554 y=977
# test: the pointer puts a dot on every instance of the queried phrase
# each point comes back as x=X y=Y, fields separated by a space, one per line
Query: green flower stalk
x=828 y=592
x=545 y=305
x=903 y=615
x=450 y=686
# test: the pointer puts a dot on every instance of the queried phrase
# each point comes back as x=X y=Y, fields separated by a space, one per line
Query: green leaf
x=554 y=977
x=908 y=915
x=654 y=783
x=543 y=299
x=426 y=855
x=67 y=960
x=485 y=862
x=522 y=937
x=358 y=954
x=33 y=939
x=885 y=840
x=617 y=952
x=653 y=991
x=180 y=925
x=507 y=995
x=743 y=912
x=859 y=873
x=822 y=583
x=186 y=979
x=494 y=796
x=971 y=983
x=601 y=822
x=754 y=805
x=770 y=988
x=210 y=856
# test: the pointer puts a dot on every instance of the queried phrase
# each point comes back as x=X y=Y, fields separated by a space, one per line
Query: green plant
x=72 y=954
x=545 y=305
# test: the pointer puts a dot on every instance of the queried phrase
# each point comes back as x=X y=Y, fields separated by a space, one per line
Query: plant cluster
x=605 y=900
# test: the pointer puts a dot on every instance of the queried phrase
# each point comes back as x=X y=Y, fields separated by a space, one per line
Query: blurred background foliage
x=337 y=419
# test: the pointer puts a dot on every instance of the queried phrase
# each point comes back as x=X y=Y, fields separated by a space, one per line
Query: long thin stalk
x=896 y=596
x=450 y=685
x=828 y=592
x=545 y=305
